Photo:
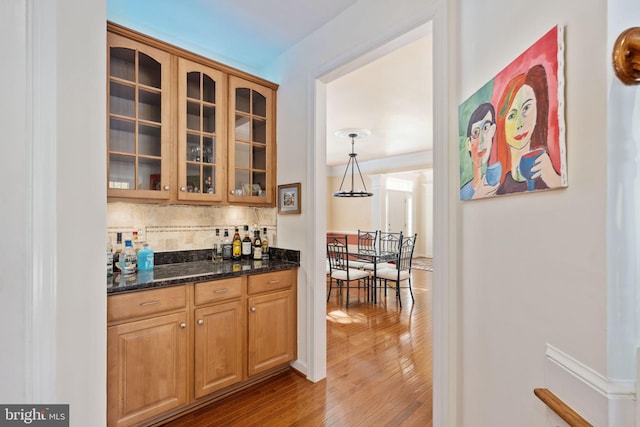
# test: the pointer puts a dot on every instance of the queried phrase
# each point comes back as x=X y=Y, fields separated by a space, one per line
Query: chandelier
x=353 y=165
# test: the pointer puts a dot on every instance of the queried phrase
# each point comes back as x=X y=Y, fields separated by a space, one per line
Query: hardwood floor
x=379 y=372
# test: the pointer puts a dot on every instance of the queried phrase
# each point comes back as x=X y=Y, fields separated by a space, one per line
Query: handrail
x=563 y=410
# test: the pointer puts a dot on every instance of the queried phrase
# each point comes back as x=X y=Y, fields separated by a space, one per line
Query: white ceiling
x=390 y=96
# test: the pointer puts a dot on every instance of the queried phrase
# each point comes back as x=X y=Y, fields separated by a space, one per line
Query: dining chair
x=388 y=244
x=402 y=269
x=340 y=270
x=366 y=244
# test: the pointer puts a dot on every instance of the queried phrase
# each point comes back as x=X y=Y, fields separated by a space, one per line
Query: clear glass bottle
x=265 y=244
x=216 y=253
x=128 y=259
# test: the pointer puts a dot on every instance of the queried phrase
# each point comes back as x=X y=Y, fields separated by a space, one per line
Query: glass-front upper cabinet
x=251 y=142
x=201 y=132
x=138 y=99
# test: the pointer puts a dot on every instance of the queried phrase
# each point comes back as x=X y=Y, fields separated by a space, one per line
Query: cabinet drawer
x=217 y=290
x=142 y=303
x=270 y=281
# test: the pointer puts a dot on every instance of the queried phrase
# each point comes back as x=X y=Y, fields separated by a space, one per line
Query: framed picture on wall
x=289 y=199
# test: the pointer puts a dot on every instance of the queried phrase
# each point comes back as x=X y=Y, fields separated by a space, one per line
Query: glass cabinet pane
x=259 y=131
x=208 y=186
x=243 y=183
x=208 y=119
x=208 y=89
x=122 y=63
x=122 y=99
x=259 y=104
x=122 y=170
x=243 y=100
x=149 y=106
x=243 y=155
x=259 y=157
x=193 y=178
x=149 y=71
x=193 y=148
x=259 y=183
x=149 y=140
x=149 y=174
x=208 y=149
x=122 y=136
x=193 y=115
x=243 y=131
x=193 y=85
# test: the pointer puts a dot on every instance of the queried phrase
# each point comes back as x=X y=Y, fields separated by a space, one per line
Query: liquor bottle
x=265 y=244
x=257 y=245
x=216 y=254
x=227 y=246
x=128 y=259
x=237 y=246
x=246 y=244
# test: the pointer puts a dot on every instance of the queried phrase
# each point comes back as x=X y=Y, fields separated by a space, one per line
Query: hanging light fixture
x=353 y=164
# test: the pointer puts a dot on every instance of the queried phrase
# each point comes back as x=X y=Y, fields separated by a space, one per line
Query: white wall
x=53 y=299
x=534 y=267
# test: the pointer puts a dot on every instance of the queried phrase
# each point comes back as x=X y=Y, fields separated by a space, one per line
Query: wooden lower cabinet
x=171 y=349
x=218 y=347
x=146 y=368
x=271 y=329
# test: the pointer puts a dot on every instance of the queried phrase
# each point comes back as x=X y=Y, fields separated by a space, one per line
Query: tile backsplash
x=177 y=227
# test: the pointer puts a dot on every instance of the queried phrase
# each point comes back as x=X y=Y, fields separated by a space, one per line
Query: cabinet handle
x=183 y=189
x=143 y=304
x=253 y=309
x=221 y=291
x=273 y=282
x=183 y=325
x=200 y=322
x=166 y=188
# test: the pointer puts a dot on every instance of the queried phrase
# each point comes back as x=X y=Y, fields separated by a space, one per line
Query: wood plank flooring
x=379 y=372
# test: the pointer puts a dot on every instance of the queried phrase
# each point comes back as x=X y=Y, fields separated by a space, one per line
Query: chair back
x=367 y=241
x=405 y=254
x=337 y=253
x=388 y=242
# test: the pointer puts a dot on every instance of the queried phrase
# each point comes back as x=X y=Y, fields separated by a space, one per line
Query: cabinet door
x=251 y=142
x=138 y=120
x=146 y=368
x=272 y=330
x=201 y=132
x=218 y=347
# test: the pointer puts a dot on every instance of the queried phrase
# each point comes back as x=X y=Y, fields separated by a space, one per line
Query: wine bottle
x=257 y=245
x=246 y=244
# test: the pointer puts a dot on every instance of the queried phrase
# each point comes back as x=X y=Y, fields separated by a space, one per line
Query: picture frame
x=289 y=198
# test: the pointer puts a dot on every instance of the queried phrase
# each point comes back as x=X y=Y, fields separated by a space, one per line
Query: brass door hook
x=626 y=56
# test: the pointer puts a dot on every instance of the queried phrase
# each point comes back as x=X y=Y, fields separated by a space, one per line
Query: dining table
x=375 y=256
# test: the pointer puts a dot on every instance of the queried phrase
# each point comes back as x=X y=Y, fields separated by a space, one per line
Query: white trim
x=41 y=163
x=600 y=400
x=404 y=162
x=611 y=389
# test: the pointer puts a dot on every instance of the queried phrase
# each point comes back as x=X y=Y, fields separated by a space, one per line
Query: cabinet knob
x=166 y=188
x=253 y=309
x=183 y=189
x=183 y=325
x=200 y=322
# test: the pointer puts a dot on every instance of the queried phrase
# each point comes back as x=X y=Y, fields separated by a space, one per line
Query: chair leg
x=398 y=294
x=411 y=291
x=330 y=286
x=347 y=294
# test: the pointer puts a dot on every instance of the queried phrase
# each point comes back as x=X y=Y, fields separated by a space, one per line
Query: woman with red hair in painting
x=522 y=126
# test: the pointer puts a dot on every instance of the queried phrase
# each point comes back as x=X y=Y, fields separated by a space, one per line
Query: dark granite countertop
x=177 y=268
